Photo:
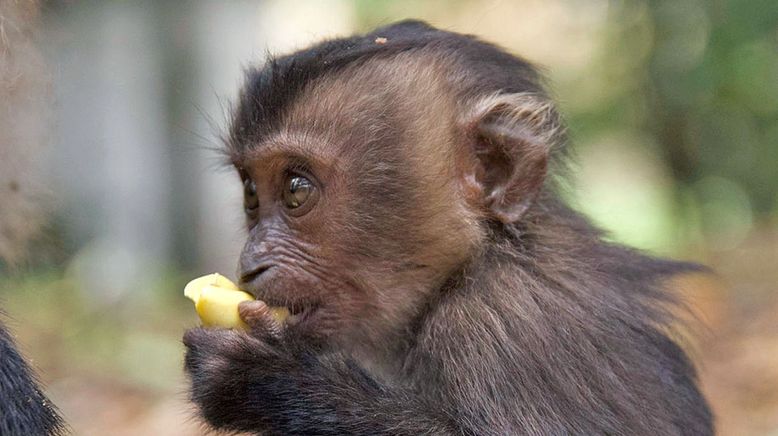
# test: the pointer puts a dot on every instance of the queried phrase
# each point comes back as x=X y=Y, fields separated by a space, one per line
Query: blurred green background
x=110 y=169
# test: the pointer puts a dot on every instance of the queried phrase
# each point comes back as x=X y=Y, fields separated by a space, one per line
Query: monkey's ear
x=510 y=136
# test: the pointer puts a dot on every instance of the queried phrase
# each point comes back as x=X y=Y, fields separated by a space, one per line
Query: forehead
x=382 y=102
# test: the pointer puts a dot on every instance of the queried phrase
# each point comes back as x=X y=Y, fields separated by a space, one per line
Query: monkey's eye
x=297 y=190
x=250 y=200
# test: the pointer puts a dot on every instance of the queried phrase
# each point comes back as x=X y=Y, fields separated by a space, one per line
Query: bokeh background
x=113 y=195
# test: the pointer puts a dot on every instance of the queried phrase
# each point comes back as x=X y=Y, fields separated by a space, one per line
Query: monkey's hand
x=259 y=381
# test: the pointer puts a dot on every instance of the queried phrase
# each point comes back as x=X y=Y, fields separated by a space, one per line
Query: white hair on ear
x=528 y=111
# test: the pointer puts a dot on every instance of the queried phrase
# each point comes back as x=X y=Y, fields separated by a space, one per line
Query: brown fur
x=454 y=292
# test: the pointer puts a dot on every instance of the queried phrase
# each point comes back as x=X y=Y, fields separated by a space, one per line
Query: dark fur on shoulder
x=453 y=292
x=571 y=329
x=24 y=409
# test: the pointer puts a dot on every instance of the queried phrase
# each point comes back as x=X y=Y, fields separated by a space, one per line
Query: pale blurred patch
x=24 y=124
x=285 y=26
x=625 y=188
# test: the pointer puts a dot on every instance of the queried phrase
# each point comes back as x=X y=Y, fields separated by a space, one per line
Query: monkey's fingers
x=261 y=319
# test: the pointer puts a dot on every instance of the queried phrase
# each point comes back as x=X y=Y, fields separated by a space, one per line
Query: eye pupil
x=297 y=191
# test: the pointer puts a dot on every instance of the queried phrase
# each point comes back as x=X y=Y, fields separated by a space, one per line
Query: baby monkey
x=400 y=201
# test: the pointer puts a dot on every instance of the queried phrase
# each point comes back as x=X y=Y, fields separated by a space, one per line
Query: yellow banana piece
x=216 y=300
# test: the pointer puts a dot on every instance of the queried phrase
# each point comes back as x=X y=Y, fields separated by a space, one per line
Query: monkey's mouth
x=259 y=284
x=300 y=313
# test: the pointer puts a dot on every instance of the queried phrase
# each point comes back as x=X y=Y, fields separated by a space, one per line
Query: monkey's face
x=369 y=190
x=351 y=226
x=350 y=239
x=357 y=209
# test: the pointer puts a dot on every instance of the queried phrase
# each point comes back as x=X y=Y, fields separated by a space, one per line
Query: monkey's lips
x=264 y=287
x=301 y=314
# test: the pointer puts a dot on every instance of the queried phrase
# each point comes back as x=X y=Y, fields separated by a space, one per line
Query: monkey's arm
x=245 y=384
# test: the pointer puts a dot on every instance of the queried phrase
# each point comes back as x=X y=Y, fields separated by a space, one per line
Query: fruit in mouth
x=216 y=301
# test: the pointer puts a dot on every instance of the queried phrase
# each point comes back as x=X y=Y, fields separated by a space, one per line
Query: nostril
x=251 y=275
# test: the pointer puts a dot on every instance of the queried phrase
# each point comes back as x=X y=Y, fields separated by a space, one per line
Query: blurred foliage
x=698 y=82
x=122 y=339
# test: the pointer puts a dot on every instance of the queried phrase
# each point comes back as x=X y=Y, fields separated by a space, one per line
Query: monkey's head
x=373 y=168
